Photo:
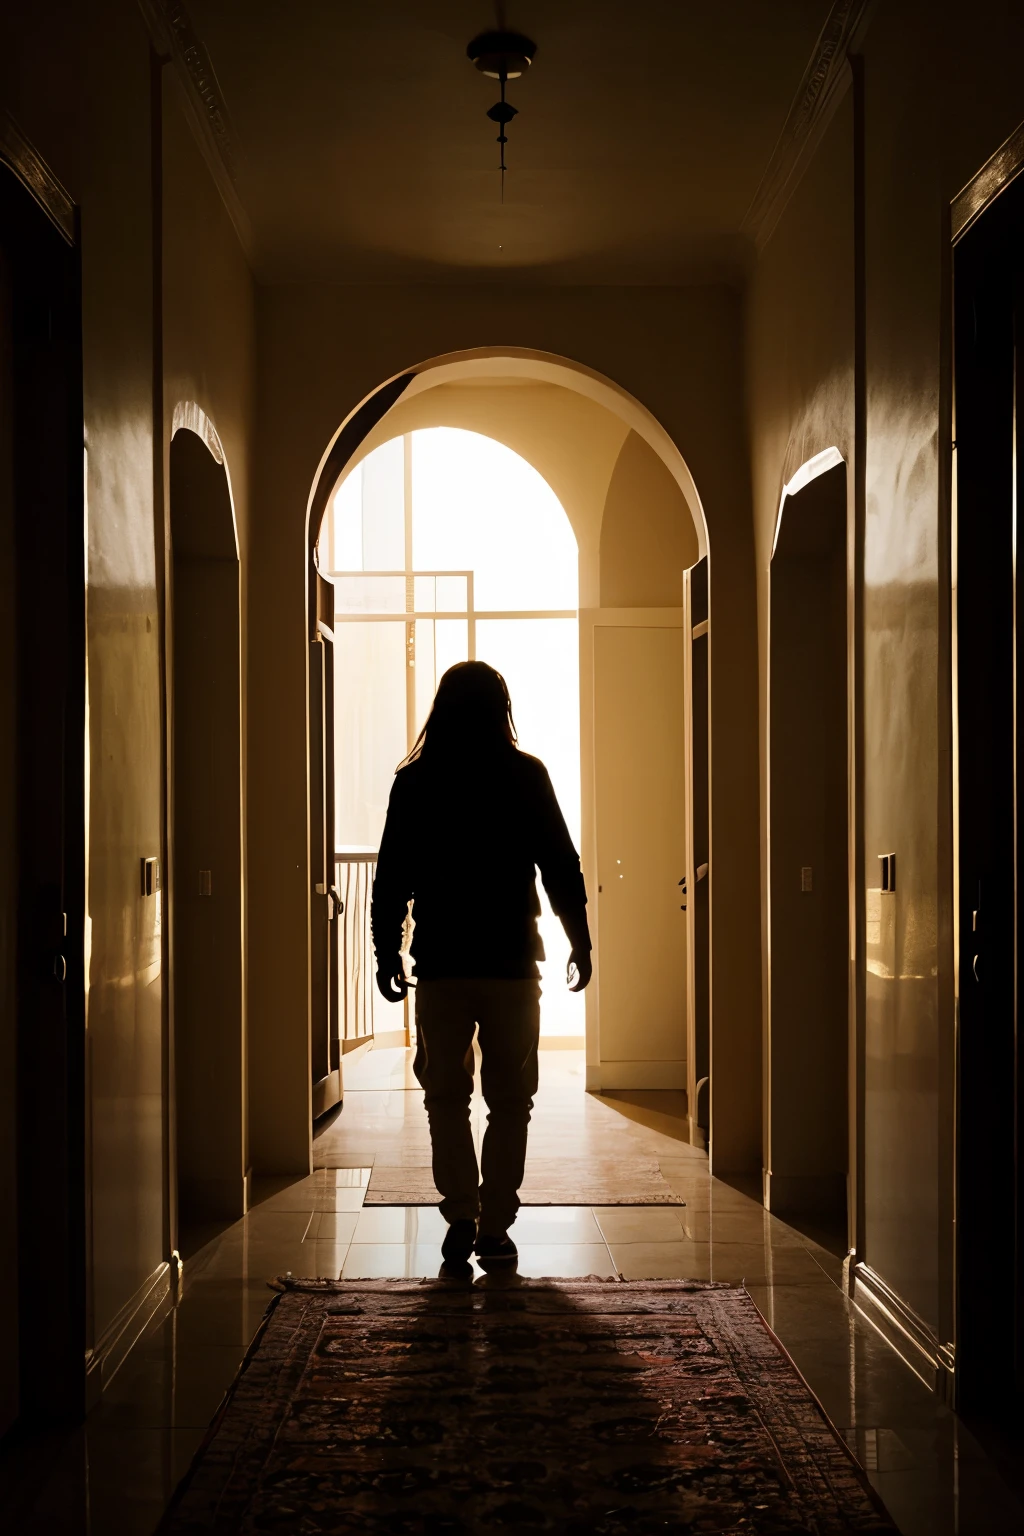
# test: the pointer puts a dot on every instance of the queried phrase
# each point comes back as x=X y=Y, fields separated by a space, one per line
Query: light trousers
x=508 y=1016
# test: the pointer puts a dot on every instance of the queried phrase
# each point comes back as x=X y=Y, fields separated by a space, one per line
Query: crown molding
x=35 y=175
x=824 y=84
x=994 y=177
x=177 y=42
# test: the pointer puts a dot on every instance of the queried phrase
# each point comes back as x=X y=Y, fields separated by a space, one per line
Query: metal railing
x=353 y=875
x=362 y=1011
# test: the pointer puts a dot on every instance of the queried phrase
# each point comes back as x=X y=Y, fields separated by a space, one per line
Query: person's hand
x=580 y=965
x=391 y=982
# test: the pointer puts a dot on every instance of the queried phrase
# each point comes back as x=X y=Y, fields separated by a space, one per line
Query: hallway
x=684 y=386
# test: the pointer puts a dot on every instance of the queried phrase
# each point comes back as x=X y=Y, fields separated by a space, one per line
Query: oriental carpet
x=575 y=1406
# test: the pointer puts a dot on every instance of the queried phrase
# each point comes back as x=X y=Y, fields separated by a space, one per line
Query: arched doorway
x=442 y=545
x=607 y=632
x=205 y=824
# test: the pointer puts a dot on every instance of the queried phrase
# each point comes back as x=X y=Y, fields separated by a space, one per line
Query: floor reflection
x=115 y=1475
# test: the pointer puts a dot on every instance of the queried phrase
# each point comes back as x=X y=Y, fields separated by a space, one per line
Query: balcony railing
x=362 y=1011
x=353 y=875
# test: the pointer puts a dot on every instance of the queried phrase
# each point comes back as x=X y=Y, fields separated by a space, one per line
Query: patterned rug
x=578 y=1406
x=548 y=1181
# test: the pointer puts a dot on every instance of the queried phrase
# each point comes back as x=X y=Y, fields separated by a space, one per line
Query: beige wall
x=209 y=342
x=925 y=130
x=322 y=351
x=647 y=536
x=800 y=381
x=209 y=359
x=98 y=141
x=79 y=83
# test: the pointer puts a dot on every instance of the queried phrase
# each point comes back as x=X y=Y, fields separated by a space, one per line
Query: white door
x=640 y=820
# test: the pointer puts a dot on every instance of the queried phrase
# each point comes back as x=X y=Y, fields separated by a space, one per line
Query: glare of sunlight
x=479 y=506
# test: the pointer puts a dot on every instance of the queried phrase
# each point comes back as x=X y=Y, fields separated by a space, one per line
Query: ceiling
x=363 y=152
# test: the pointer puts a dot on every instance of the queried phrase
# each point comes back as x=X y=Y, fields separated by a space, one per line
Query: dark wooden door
x=45 y=548
x=988 y=271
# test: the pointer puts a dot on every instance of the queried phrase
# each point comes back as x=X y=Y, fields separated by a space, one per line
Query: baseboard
x=636 y=1074
x=326 y=1093
x=150 y=1303
x=797 y=1194
x=388 y=1039
x=901 y=1327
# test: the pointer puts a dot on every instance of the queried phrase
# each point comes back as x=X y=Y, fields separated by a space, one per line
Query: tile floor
x=113 y=1477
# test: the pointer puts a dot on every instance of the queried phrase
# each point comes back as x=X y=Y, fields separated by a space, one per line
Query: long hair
x=471 y=715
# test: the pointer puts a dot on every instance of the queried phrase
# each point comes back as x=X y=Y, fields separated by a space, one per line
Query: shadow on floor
x=658 y=1109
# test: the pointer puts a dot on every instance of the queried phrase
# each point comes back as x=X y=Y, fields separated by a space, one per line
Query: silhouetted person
x=470 y=820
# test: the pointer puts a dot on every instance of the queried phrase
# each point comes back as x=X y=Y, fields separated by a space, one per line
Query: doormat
x=575 y=1406
x=548 y=1181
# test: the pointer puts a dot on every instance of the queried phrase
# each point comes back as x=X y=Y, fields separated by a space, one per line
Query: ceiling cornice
x=177 y=41
x=823 y=86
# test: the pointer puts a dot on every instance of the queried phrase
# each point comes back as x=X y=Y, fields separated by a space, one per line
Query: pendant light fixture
x=502 y=56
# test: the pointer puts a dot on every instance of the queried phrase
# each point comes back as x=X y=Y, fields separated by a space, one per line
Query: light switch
x=806 y=878
x=206 y=882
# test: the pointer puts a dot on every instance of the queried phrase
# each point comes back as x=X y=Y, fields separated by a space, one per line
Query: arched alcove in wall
x=806 y=1157
x=205 y=898
x=647 y=610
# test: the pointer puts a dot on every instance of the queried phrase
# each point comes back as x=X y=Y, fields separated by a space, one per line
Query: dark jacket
x=462 y=843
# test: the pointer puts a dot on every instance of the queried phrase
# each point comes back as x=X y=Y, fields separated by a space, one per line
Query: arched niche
x=205 y=895
x=808 y=844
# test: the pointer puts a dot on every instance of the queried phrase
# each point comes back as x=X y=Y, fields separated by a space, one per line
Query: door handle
x=682 y=883
x=335 y=905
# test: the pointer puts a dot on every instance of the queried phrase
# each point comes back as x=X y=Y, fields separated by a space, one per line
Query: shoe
x=458 y=1242
x=498 y=1249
